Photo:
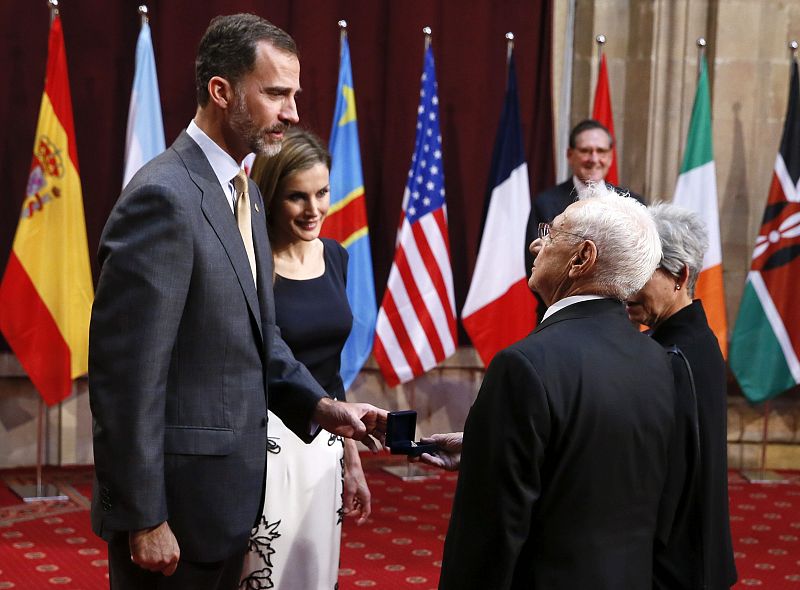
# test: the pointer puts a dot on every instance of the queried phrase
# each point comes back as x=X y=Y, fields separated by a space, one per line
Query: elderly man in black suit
x=184 y=353
x=589 y=156
x=566 y=450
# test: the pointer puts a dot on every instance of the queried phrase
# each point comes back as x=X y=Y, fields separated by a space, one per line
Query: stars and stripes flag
x=602 y=113
x=46 y=293
x=346 y=222
x=145 y=136
x=696 y=190
x=416 y=326
x=500 y=307
x=765 y=344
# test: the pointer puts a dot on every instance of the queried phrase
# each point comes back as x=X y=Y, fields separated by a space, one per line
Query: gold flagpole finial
x=143 y=14
x=427 y=32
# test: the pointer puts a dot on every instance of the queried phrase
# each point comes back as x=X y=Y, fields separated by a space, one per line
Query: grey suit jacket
x=565 y=459
x=183 y=349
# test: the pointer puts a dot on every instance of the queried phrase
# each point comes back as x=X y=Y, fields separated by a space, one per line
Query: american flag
x=416 y=326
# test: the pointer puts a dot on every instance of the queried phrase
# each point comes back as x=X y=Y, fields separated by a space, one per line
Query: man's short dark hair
x=586 y=125
x=228 y=49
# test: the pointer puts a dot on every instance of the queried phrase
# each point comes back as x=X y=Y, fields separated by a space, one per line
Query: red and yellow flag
x=46 y=292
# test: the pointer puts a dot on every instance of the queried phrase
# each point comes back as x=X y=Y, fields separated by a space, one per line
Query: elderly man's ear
x=583 y=260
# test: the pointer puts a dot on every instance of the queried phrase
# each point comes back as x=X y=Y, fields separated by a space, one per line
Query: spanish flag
x=46 y=292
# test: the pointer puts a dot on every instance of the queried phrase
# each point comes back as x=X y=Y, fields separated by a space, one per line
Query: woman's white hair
x=623 y=230
x=684 y=241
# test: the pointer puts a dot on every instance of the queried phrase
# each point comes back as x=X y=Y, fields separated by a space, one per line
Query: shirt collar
x=566 y=302
x=223 y=165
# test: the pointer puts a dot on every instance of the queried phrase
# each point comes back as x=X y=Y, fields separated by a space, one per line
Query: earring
x=677 y=287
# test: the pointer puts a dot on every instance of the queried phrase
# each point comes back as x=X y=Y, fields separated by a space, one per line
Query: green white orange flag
x=46 y=292
x=697 y=190
x=765 y=345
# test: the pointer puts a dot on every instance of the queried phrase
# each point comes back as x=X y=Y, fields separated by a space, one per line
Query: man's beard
x=256 y=139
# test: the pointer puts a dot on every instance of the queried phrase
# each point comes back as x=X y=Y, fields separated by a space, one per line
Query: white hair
x=623 y=230
x=684 y=241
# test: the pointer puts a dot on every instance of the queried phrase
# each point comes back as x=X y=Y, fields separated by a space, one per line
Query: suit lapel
x=219 y=215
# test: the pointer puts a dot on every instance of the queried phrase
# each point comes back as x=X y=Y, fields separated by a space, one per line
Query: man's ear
x=221 y=92
x=584 y=260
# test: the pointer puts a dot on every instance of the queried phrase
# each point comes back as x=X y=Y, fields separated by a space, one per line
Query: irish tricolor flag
x=697 y=190
x=766 y=340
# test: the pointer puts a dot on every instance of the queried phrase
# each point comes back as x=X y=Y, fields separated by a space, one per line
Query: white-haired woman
x=700 y=554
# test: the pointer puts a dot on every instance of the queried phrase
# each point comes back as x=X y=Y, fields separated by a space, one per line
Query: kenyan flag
x=765 y=345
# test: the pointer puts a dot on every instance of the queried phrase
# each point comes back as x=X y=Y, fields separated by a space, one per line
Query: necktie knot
x=240 y=183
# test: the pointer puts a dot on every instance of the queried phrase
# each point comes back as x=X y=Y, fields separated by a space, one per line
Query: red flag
x=46 y=291
x=602 y=113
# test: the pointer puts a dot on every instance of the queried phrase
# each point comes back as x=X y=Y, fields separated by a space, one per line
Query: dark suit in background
x=688 y=330
x=550 y=203
x=565 y=459
x=183 y=348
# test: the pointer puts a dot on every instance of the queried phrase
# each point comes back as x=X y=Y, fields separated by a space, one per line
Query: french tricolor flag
x=500 y=308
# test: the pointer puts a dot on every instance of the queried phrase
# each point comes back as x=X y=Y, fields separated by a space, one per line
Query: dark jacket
x=711 y=549
x=565 y=459
x=182 y=350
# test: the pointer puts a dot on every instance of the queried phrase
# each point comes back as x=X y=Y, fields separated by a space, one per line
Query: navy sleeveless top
x=315 y=318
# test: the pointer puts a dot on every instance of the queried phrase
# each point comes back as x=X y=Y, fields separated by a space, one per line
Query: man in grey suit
x=184 y=352
x=565 y=451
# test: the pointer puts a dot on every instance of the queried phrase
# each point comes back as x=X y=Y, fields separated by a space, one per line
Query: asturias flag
x=500 y=308
x=697 y=191
x=602 y=113
x=765 y=344
x=46 y=293
x=145 y=138
x=347 y=222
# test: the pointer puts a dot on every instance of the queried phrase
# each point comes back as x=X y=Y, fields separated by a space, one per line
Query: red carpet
x=50 y=545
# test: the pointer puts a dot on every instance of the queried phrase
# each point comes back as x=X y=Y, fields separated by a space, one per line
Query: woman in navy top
x=309 y=487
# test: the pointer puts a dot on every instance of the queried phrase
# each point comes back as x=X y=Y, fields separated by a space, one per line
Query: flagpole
x=509 y=47
x=427 y=32
x=762 y=474
x=600 y=40
x=143 y=14
x=701 y=50
x=40 y=491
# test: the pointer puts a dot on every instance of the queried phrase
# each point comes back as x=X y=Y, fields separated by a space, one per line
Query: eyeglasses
x=586 y=151
x=545 y=229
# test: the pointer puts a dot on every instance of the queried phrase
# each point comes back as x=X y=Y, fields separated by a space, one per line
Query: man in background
x=184 y=352
x=589 y=156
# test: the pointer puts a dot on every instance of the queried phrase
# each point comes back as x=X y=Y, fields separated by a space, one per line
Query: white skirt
x=296 y=543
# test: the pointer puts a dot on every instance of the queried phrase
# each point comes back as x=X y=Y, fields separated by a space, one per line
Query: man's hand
x=351 y=420
x=155 y=549
x=357 y=498
x=448 y=453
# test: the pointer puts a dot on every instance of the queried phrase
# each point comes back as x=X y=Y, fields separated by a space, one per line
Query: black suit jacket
x=564 y=459
x=686 y=560
x=183 y=347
